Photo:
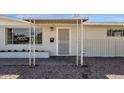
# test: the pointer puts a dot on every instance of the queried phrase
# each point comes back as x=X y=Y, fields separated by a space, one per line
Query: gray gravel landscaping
x=42 y=72
x=105 y=68
x=53 y=68
x=62 y=68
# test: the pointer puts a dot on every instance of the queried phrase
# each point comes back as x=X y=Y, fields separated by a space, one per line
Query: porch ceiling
x=57 y=21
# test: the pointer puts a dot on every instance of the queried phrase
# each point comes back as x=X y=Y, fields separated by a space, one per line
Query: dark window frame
x=10 y=39
x=112 y=32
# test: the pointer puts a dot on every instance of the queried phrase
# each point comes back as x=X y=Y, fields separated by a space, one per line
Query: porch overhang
x=78 y=21
x=63 y=20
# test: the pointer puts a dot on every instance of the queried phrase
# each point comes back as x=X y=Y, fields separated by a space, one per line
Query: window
x=115 y=33
x=9 y=36
x=17 y=36
x=38 y=36
x=21 y=36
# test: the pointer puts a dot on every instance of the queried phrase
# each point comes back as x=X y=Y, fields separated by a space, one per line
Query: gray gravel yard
x=62 y=68
x=105 y=68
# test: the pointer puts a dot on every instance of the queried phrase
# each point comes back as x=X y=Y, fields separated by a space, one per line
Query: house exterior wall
x=98 y=32
x=96 y=43
x=47 y=34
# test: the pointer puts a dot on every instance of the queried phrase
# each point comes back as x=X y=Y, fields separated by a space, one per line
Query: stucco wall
x=96 y=42
x=97 y=32
x=47 y=34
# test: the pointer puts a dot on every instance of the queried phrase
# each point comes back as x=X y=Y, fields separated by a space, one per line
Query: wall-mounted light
x=51 y=28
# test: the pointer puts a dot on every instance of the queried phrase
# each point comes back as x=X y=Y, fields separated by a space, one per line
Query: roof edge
x=55 y=18
x=13 y=18
x=104 y=23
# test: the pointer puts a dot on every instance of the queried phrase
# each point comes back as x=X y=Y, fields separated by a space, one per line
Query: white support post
x=12 y=37
x=30 y=43
x=82 y=42
x=77 y=44
x=34 y=44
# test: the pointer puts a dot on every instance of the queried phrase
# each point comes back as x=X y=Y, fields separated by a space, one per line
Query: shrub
x=9 y=50
x=36 y=50
x=2 y=51
x=23 y=50
x=15 y=50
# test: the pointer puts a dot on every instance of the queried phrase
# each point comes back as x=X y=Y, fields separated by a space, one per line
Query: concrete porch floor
x=62 y=68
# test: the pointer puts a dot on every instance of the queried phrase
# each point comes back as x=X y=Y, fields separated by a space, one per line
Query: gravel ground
x=105 y=68
x=54 y=68
x=42 y=72
x=62 y=68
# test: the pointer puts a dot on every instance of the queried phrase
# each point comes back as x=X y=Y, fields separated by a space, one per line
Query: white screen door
x=63 y=41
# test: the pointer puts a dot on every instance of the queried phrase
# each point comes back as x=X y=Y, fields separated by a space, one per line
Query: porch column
x=77 y=44
x=81 y=42
x=34 y=30
x=30 y=43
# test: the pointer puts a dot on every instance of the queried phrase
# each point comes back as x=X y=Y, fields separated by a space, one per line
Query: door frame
x=57 y=29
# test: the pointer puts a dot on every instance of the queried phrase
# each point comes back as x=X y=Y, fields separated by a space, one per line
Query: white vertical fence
x=104 y=47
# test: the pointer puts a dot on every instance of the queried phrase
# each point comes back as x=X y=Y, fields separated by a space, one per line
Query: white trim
x=57 y=41
x=34 y=44
x=81 y=42
x=70 y=30
x=30 y=45
x=77 y=42
x=57 y=28
x=104 y=23
x=14 y=19
x=55 y=18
